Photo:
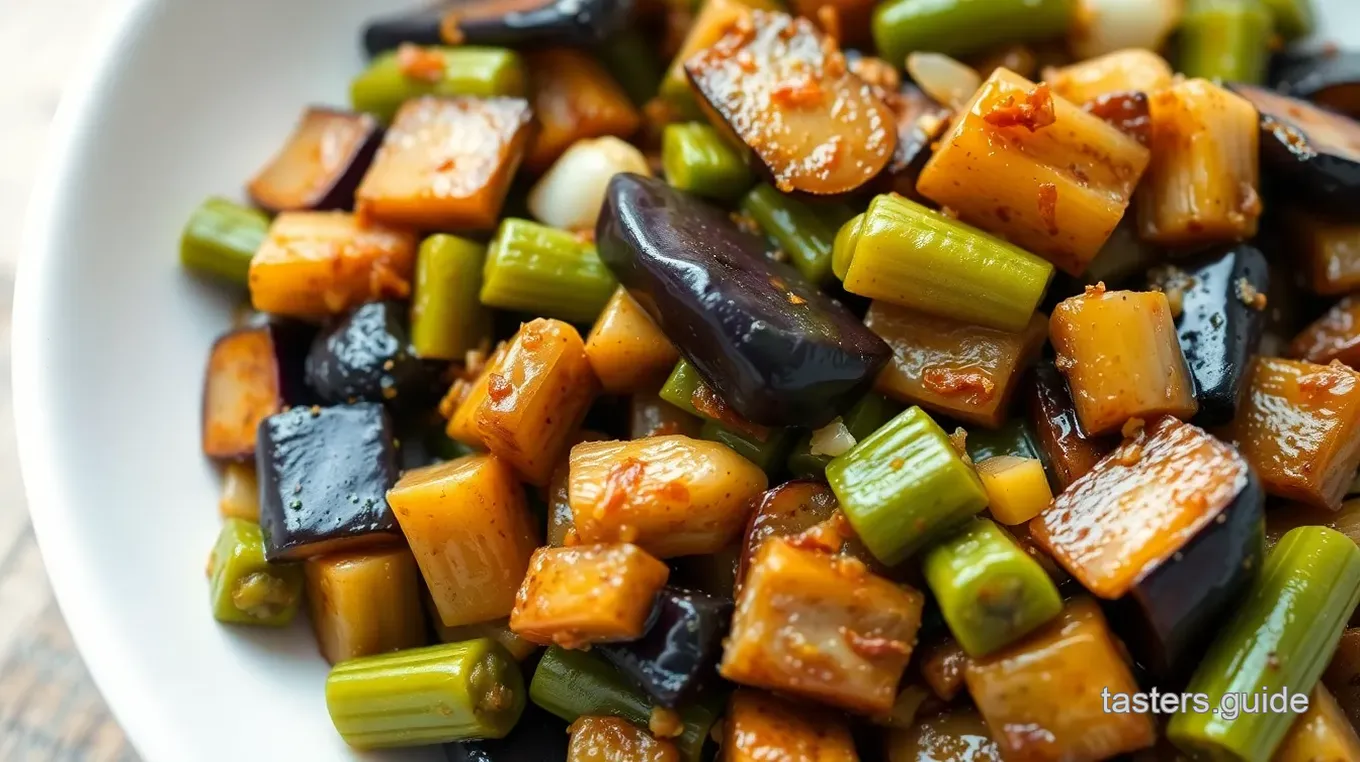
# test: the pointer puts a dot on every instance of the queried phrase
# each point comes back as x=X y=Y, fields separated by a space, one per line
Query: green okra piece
x=804 y=232
x=696 y=158
x=990 y=591
x=1292 y=18
x=680 y=386
x=220 y=239
x=907 y=254
x=1014 y=438
x=246 y=589
x=1280 y=637
x=573 y=684
x=468 y=70
x=768 y=453
x=957 y=27
x=862 y=419
x=631 y=60
x=437 y=694
x=1226 y=40
x=549 y=272
x=905 y=486
x=447 y=316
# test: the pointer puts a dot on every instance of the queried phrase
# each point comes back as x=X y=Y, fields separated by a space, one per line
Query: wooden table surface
x=49 y=709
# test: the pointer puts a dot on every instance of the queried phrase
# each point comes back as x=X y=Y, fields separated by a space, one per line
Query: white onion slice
x=571 y=192
x=942 y=78
x=832 y=439
x=1104 y=26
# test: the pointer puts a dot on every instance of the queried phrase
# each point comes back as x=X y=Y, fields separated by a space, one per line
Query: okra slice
x=447 y=317
x=988 y=589
x=768 y=453
x=1227 y=40
x=220 y=238
x=437 y=694
x=246 y=589
x=414 y=71
x=804 y=232
x=958 y=26
x=698 y=159
x=546 y=271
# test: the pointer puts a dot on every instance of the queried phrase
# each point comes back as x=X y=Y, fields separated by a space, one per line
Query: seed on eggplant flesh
x=367 y=357
x=1329 y=78
x=526 y=24
x=776 y=349
x=1313 y=151
x=680 y=649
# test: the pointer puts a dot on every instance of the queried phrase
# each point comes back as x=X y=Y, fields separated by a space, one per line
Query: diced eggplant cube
x=252 y=374
x=367 y=357
x=320 y=165
x=680 y=650
x=324 y=475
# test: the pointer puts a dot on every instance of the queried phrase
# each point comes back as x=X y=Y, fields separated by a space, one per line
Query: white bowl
x=184 y=98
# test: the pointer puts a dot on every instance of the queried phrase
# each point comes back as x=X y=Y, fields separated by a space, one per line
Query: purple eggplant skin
x=579 y=23
x=290 y=182
x=1170 y=617
x=682 y=646
x=539 y=736
x=1328 y=78
x=776 y=349
x=324 y=473
x=1219 y=326
x=367 y=357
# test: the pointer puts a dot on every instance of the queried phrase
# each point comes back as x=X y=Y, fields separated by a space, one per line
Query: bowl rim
x=120 y=685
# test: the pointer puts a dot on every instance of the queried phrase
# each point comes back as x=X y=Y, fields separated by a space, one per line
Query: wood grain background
x=49 y=709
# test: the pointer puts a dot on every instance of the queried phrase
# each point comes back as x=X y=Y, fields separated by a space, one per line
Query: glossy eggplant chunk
x=1220 y=322
x=1311 y=151
x=681 y=648
x=779 y=352
x=539 y=736
x=324 y=475
x=320 y=165
x=252 y=373
x=1329 y=78
x=367 y=357
x=526 y=24
x=1066 y=452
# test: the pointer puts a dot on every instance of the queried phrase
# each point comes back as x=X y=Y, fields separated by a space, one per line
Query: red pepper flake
x=803 y=92
x=423 y=64
x=1034 y=113
x=871 y=647
x=949 y=382
x=1048 y=206
x=622 y=481
x=498 y=387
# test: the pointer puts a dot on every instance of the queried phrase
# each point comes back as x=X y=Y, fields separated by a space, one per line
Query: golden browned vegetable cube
x=671 y=495
x=536 y=397
x=497 y=629
x=446 y=163
x=365 y=603
x=1321 y=734
x=942 y=666
x=1131 y=70
x=471 y=532
x=587 y=594
x=1121 y=357
x=822 y=627
x=1330 y=250
x=465 y=398
x=323 y=263
x=760 y=727
x=627 y=350
x=1042 y=697
x=1334 y=336
x=614 y=739
x=240 y=493
x=246 y=382
x=966 y=372
x=1034 y=168
x=574 y=98
x=1342 y=677
x=1202 y=185
x=1299 y=429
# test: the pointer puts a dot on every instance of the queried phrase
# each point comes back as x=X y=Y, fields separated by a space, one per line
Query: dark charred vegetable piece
x=252 y=374
x=791 y=509
x=678 y=656
x=1128 y=111
x=1314 y=152
x=714 y=574
x=1329 y=247
x=574 y=98
x=1343 y=674
x=537 y=737
x=367 y=357
x=583 y=594
x=1170 y=526
x=862 y=419
x=784 y=89
x=1334 y=336
x=1067 y=453
x=920 y=120
x=365 y=603
x=320 y=165
x=1330 y=79
x=759 y=726
x=517 y=23
x=324 y=474
x=1221 y=303
x=942 y=667
x=783 y=353
x=958 y=734
x=246 y=589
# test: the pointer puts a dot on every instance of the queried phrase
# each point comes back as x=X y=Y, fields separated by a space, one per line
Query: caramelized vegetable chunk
x=252 y=373
x=1035 y=169
x=822 y=627
x=1123 y=71
x=613 y=739
x=626 y=349
x=784 y=89
x=1299 y=429
x=1121 y=357
x=574 y=98
x=1042 y=697
x=943 y=666
x=785 y=511
x=1017 y=489
x=1202 y=185
x=714 y=19
x=465 y=398
x=959 y=734
x=1321 y=734
x=323 y=263
x=967 y=372
x=471 y=532
x=446 y=163
x=587 y=594
x=760 y=727
x=1342 y=677
x=536 y=397
x=320 y=165
x=1067 y=452
x=365 y=603
x=672 y=495
x=1331 y=251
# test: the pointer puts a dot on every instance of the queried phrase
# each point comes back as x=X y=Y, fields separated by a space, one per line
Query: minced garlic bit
x=665 y=723
x=960 y=441
x=1174 y=282
x=1248 y=295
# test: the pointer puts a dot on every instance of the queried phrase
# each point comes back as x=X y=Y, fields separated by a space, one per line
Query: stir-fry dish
x=847 y=380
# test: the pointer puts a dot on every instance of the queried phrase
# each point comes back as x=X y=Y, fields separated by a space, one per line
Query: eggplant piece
x=780 y=352
x=1222 y=315
x=367 y=357
x=1313 y=152
x=252 y=374
x=681 y=648
x=324 y=474
x=320 y=165
x=1067 y=453
x=525 y=24
x=1330 y=79
x=539 y=736
x=920 y=121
